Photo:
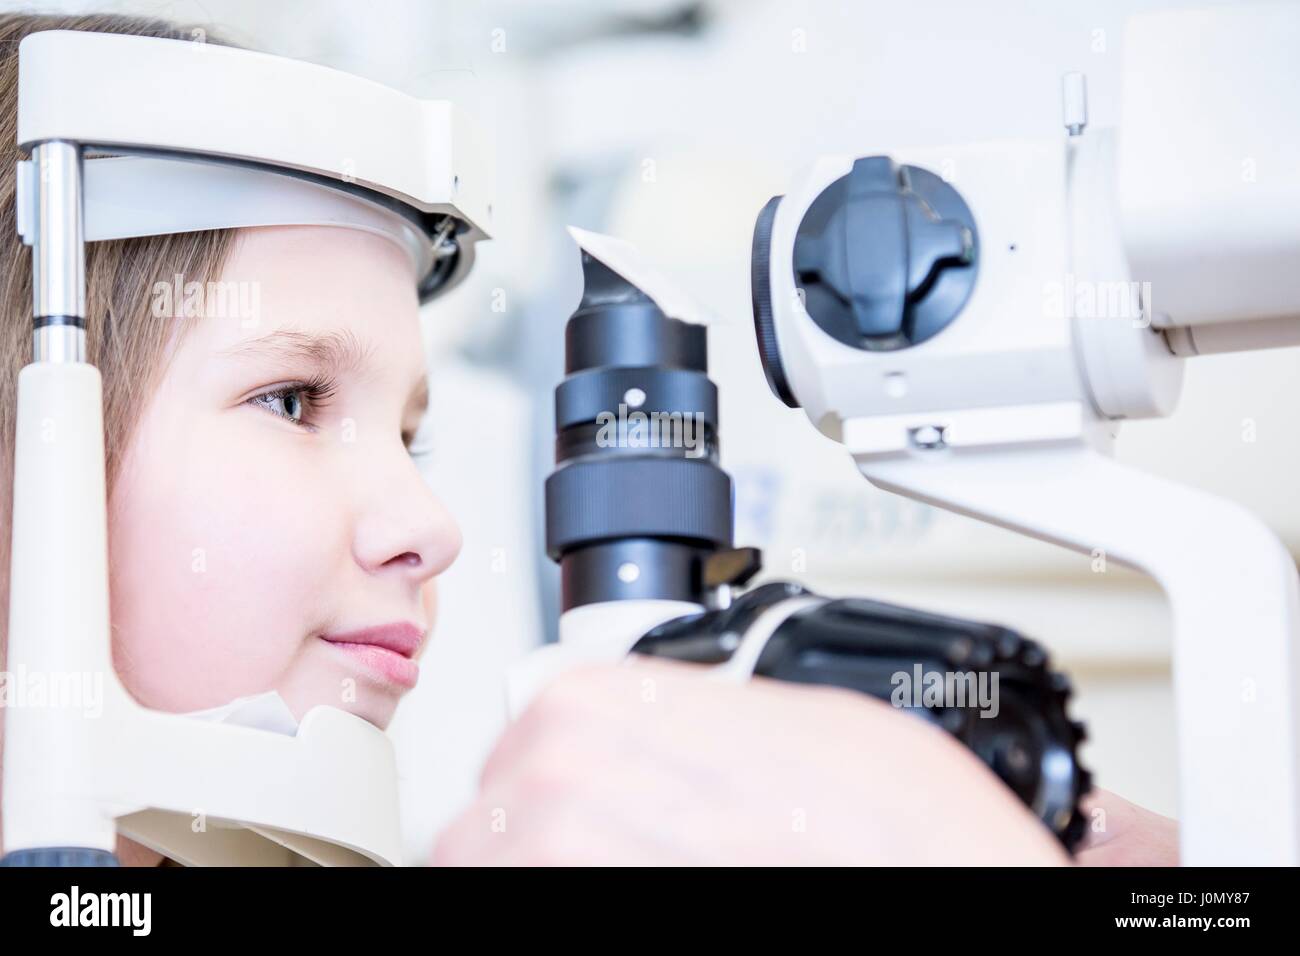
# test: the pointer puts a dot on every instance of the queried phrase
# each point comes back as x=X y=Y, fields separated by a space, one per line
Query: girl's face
x=269 y=529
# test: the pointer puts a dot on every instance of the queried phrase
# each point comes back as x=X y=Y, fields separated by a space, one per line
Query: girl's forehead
x=324 y=267
x=352 y=291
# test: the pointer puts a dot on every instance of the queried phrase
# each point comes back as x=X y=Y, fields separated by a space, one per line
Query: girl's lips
x=391 y=666
x=387 y=651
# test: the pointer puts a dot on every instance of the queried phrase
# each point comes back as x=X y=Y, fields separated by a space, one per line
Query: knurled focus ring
x=605 y=499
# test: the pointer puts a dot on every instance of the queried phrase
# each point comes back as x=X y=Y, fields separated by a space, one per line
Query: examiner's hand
x=1121 y=833
x=647 y=762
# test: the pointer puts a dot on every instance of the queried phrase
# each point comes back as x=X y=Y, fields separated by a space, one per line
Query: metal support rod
x=58 y=255
x=58 y=595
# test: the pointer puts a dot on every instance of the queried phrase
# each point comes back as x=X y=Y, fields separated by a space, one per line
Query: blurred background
x=669 y=124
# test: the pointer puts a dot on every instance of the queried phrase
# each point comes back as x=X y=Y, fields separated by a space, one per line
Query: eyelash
x=420 y=451
x=316 y=392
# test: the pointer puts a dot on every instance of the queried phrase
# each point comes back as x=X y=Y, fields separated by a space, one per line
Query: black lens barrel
x=637 y=500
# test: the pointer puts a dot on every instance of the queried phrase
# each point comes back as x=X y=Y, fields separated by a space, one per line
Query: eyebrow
x=330 y=352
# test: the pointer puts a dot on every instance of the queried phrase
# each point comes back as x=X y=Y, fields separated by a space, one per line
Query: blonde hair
x=123 y=339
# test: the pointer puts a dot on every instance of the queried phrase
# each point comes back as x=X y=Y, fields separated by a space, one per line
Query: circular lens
x=769 y=351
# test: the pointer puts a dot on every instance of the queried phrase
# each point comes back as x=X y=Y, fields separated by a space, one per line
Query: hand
x=1123 y=834
x=648 y=762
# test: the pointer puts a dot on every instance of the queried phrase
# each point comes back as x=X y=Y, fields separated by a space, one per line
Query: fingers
x=1121 y=833
x=647 y=762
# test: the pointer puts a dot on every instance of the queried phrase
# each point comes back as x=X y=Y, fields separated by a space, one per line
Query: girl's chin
x=376 y=710
x=357 y=696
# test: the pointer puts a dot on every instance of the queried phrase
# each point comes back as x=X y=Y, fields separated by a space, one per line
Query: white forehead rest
x=126 y=197
x=387 y=155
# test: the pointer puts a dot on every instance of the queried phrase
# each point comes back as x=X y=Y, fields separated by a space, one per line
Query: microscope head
x=886 y=256
x=907 y=297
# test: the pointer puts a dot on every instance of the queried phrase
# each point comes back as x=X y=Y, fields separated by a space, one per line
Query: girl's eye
x=297 y=401
x=420 y=449
x=285 y=404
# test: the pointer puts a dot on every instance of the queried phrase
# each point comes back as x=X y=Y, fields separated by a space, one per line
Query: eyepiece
x=637 y=502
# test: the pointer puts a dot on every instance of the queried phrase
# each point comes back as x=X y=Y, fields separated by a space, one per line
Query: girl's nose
x=405 y=528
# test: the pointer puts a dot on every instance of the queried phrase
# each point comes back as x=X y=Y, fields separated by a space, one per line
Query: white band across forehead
x=131 y=196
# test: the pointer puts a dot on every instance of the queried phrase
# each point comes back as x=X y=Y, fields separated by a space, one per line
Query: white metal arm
x=1235 y=599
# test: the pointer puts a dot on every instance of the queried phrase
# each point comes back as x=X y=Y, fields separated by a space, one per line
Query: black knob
x=887 y=256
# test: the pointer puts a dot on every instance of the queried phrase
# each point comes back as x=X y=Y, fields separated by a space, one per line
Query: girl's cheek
x=220 y=556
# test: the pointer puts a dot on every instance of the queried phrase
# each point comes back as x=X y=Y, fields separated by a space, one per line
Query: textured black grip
x=637 y=497
x=1030 y=742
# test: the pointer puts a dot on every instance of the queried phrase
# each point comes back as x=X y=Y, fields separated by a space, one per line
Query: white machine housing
x=1105 y=259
